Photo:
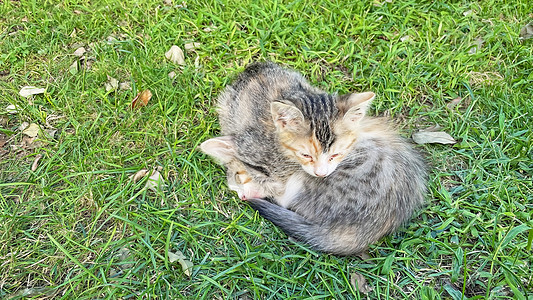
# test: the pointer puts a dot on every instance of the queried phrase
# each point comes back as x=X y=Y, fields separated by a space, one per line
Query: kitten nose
x=321 y=172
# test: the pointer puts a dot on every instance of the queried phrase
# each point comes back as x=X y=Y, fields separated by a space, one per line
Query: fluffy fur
x=377 y=181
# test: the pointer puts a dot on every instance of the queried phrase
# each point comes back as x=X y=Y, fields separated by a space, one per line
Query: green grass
x=77 y=227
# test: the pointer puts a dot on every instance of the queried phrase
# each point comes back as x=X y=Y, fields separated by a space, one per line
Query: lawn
x=75 y=224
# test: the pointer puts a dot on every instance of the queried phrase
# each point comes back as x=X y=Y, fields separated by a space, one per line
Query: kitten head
x=322 y=132
x=240 y=177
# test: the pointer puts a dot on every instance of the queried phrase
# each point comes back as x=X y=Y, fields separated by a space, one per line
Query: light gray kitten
x=339 y=180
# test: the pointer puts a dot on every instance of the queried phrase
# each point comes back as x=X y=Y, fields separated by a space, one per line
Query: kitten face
x=321 y=149
x=247 y=180
x=240 y=181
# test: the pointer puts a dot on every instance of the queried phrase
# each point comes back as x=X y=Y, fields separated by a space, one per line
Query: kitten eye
x=333 y=156
x=306 y=156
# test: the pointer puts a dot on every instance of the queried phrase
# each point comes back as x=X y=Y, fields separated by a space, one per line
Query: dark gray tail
x=318 y=237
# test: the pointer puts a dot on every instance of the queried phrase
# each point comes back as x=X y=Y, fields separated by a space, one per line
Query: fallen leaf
x=171 y=75
x=30 y=90
x=186 y=265
x=77 y=12
x=139 y=175
x=125 y=86
x=29 y=143
x=191 y=46
x=453 y=103
x=175 y=55
x=36 y=162
x=167 y=2
x=405 y=38
x=23 y=126
x=73 y=69
x=156 y=181
x=12 y=109
x=210 y=28
x=358 y=281
x=433 y=137
x=478 y=43
x=123 y=255
x=111 y=84
x=32 y=130
x=526 y=32
x=50 y=133
x=197 y=61
x=111 y=39
x=468 y=12
x=79 y=52
x=141 y=99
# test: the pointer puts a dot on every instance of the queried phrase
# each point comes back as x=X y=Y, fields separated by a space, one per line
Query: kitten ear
x=358 y=105
x=286 y=117
x=220 y=148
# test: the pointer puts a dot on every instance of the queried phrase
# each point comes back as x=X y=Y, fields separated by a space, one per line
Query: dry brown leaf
x=111 y=84
x=433 y=137
x=526 y=32
x=171 y=75
x=156 y=182
x=453 y=103
x=12 y=109
x=50 y=133
x=139 y=175
x=141 y=99
x=175 y=55
x=125 y=86
x=32 y=130
x=358 y=281
x=79 y=52
x=191 y=46
x=23 y=126
x=36 y=162
x=31 y=90
x=186 y=264
x=29 y=143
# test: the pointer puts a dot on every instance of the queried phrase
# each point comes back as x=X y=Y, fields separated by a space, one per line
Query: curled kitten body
x=338 y=179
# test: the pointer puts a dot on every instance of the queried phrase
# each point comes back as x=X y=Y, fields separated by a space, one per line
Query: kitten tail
x=316 y=236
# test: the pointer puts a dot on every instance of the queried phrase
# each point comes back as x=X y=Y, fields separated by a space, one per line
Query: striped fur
x=378 y=180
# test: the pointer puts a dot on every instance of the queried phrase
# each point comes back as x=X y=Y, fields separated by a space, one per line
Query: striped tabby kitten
x=339 y=180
